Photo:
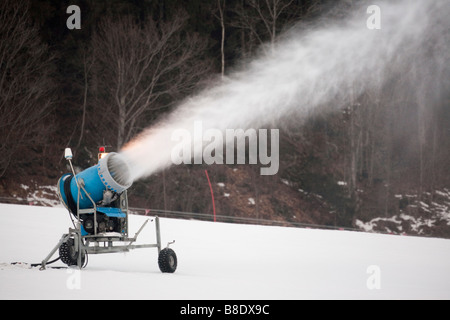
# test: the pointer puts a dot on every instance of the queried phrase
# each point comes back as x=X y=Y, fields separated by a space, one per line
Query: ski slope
x=223 y=261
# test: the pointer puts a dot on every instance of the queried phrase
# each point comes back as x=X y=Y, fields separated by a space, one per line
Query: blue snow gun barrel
x=110 y=175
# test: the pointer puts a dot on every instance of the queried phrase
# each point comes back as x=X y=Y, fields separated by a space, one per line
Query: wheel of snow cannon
x=68 y=254
x=167 y=260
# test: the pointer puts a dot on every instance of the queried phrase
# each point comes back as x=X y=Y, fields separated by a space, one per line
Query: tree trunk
x=222 y=42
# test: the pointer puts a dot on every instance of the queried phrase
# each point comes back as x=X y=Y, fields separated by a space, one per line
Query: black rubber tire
x=68 y=254
x=167 y=260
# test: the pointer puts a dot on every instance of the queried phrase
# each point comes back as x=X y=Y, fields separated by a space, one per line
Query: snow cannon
x=99 y=184
x=97 y=199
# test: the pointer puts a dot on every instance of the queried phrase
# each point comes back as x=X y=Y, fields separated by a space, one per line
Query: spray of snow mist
x=324 y=65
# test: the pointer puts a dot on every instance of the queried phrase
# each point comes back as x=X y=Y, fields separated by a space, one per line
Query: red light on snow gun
x=101 y=152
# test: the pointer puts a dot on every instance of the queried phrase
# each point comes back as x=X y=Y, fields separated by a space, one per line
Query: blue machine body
x=95 y=180
x=99 y=188
x=93 y=185
x=112 y=212
x=108 y=211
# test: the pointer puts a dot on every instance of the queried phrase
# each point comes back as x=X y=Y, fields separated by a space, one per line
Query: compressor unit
x=96 y=199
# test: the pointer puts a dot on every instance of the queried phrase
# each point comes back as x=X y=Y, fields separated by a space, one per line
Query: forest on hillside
x=131 y=62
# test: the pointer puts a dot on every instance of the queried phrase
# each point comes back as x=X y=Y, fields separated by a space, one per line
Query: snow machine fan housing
x=99 y=183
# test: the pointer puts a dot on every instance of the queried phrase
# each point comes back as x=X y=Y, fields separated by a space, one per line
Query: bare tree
x=87 y=66
x=261 y=19
x=25 y=82
x=221 y=9
x=138 y=65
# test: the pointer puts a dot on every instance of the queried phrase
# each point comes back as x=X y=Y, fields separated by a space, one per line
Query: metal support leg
x=44 y=262
x=158 y=234
x=138 y=232
x=79 y=248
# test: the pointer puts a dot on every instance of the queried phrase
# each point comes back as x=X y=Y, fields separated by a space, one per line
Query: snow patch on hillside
x=416 y=216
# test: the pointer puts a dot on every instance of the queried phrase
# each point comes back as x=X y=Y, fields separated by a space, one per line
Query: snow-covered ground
x=224 y=261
